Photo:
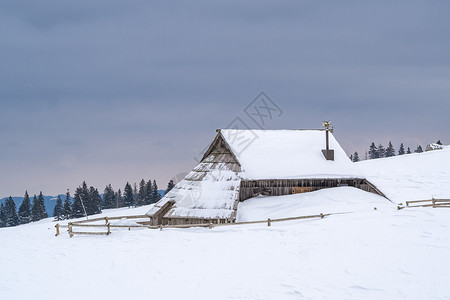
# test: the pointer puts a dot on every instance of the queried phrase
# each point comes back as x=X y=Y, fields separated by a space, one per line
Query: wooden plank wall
x=279 y=187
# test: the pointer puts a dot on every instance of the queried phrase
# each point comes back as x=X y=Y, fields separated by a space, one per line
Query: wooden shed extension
x=280 y=187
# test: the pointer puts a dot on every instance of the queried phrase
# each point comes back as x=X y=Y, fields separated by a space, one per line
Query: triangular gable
x=217 y=145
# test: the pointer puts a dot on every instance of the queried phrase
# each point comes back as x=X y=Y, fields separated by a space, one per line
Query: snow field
x=365 y=254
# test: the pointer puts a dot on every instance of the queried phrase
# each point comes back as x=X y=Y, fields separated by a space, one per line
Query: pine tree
x=373 y=151
x=351 y=158
x=155 y=194
x=85 y=199
x=108 y=200
x=2 y=215
x=77 y=206
x=128 y=197
x=11 y=213
x=401 y=150
x=355 y=157
x=381 y=151
x=67 y=209
x=119 y=199
x=25 y=210
x=439 y=142
x=135 y=194
x=95 y=200
x=408 y=151
x=35 y=210
x=142 y=193
x=419 y=149
x=43 y=211
x=170 y=186
x=58 y=209
x=390 y=151
x=148 y=192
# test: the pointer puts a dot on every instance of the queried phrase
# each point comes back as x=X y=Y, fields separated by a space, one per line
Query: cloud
x=137 y=89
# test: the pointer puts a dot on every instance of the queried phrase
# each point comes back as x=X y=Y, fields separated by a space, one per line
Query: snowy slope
x=417 y=176
x=365 y=255
x=342 y=199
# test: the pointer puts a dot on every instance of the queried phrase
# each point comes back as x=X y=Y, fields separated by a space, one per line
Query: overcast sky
x=115 y=91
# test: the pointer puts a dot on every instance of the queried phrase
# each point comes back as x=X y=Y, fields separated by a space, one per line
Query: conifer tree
x=390 y=151
x=43 y=211
x=381 y=151
x=355 y=157
x=25 y=210
x=351 y=158
x=58 y=209
x=36 y=210
x=67 y=209
x=95 y=200
x=11 y=213
x=148 y=192
x=170 y=186
x=373 y=151
x=135 y=194
x=2 y=215
x=408 y=151
x=108 y=197
x=439 y=142
x=119 y=199
x=128 y=197
x=401 y=150
x=85 y=199
x=77 y=206
x=141 y=194
x=419 y=149
x=155 y=194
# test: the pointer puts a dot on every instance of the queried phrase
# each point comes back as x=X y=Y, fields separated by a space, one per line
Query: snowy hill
x=417 y=176
x=363 y=254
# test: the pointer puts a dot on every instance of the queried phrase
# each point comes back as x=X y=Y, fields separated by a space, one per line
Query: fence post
x=70 y=230
x=109 y=228
x=57 y=229
x=321 y=215
x=269 y=223
x=106 y=220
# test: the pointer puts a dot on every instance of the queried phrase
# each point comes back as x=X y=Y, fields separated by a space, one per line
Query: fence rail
x=435 y=203
x=108 y=225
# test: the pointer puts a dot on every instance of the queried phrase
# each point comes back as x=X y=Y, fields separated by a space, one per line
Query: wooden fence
x=435 y=203
x=107 y=226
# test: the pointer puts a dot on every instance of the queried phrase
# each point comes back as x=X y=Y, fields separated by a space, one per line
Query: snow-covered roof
x=211 y=189
x=287 y=154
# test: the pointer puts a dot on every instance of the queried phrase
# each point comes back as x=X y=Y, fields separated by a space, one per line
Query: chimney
x=328 y=153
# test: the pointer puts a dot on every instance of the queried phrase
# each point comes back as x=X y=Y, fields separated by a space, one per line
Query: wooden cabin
x=241 y=164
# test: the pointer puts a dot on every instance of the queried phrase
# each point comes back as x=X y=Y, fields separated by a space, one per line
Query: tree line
x=380 y=151
x=86 y=201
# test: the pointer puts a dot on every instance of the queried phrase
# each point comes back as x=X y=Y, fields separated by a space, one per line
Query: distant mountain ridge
x=49 y=201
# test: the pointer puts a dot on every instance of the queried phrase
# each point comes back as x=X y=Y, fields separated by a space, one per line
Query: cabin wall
x=279 y=187
x=157 y=218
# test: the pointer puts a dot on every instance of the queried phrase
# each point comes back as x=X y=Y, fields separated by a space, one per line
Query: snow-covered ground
x=365 y=254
